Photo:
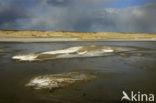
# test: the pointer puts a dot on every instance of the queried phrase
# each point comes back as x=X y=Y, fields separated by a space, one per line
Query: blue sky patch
x=128 y=3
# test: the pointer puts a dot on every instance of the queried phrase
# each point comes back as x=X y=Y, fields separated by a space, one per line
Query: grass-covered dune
x=76 y=35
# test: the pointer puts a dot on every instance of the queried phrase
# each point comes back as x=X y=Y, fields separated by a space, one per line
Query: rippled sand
x=59 y=80
x=78 y=51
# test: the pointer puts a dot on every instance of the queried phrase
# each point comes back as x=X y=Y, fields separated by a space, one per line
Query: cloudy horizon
x=134 y=16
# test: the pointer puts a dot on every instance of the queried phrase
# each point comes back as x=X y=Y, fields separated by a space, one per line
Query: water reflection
x=131 y=71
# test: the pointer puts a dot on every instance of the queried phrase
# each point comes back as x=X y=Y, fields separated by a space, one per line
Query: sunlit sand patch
x=132 y=54
x=59 y=80
x=2 y=51
x=78 y=51
x=7 y=51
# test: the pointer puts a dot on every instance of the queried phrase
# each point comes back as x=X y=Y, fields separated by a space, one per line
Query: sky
x=131 y=16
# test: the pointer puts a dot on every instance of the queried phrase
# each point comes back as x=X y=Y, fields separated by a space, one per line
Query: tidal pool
x=132 y=70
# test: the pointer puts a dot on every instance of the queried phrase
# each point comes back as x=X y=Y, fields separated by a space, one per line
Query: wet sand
x=128 y=71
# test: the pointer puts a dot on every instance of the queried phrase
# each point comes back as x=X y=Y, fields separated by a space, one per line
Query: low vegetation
x=77 y=35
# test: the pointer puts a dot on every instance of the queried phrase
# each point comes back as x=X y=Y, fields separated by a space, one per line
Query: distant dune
x=74 y=36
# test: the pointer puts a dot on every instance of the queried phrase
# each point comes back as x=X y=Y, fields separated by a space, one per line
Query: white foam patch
x=58 y=80
x=79 y=51
x=25 y=57
x=64 y=51
x=107 y=51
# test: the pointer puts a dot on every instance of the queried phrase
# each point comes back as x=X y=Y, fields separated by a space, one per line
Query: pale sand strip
x=36 y=39
x=63 y=39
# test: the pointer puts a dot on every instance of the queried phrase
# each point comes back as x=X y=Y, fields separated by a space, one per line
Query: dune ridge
x=81 y=36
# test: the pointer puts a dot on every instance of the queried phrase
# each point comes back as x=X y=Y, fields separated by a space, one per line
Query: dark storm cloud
x=10 y=11
x=76 y=15
x=59 y=2
x=60 y=16
x=133 y=19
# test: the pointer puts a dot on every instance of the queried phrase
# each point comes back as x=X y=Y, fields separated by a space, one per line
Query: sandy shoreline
x=36 y=39
x=62 y=40
x=60 y=36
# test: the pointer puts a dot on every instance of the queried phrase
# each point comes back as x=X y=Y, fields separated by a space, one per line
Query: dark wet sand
x=129 y=72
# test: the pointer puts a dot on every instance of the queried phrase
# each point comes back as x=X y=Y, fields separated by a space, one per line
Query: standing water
x=75 y=72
